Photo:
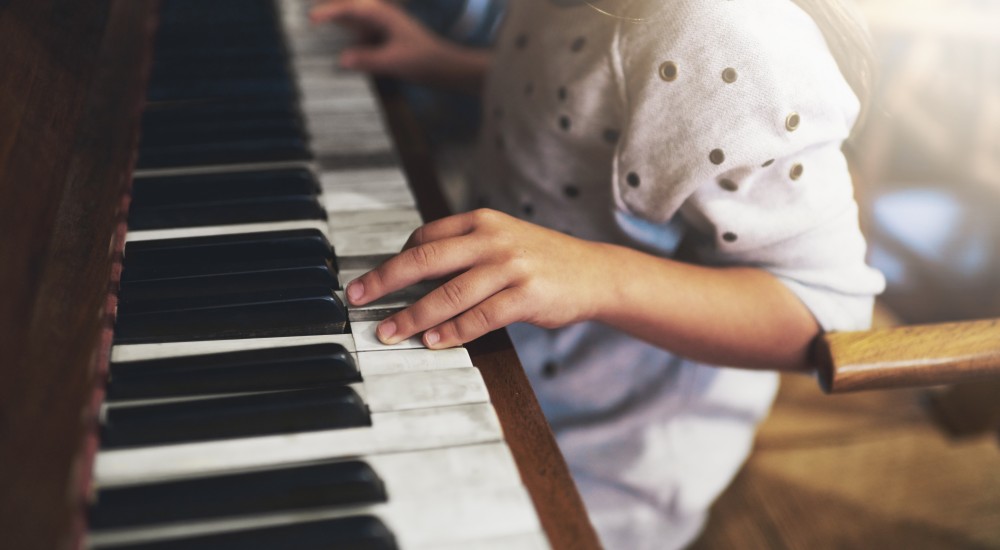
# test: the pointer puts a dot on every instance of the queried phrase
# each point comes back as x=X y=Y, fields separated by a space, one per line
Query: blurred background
x=928 y=161
x=901 y=468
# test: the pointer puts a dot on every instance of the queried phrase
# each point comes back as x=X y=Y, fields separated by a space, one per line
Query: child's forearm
x=460 y=68
x=727 y=316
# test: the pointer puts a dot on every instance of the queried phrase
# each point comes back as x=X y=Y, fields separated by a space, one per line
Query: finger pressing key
x=420 y=263
x=443 y=303
x=494 y=313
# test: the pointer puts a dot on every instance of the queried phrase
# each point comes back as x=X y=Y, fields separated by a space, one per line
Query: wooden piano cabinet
x=71 y=83
x=916 y=355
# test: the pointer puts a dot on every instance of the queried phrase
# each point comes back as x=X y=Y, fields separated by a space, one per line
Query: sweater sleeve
x=735 y=117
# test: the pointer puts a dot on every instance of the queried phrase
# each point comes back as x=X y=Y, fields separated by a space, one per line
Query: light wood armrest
x=916 y=355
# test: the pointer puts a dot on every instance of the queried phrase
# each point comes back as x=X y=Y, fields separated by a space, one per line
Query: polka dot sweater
x=639 y=123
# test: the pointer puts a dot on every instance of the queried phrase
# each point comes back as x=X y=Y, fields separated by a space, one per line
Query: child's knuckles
x=477 y=322
x=422 y=256
x=453 y=295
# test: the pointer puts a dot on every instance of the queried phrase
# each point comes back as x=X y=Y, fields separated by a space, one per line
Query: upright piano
x=178 y=366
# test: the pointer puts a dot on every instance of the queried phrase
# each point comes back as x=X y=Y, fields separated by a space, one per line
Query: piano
x=180 y=370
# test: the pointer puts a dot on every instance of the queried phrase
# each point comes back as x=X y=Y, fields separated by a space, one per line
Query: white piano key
x=424 y=389
x=372 y=363
x=365 y=339
x=360 y=264
x=348 y=275
x=208 y=230
x=141 y=352
x=318 y=45
x=397 y=217
x=352 y=180
x=452 y=517
x=412 y=474
x=370 y=239
x=346 y=83
x=390 y=432
x=317 y=69
x=461 y=520
x=340 y=122
x=346 y=143
x=318 y=73
x=319 y=104
x=368 y=189
x=345 y=124
x=377 y=237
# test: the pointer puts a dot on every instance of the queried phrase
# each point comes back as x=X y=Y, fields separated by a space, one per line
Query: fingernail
x=386 y=330
x=432 y=337
x=355 y=290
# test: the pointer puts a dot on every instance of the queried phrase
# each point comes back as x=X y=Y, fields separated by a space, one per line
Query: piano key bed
x=246 y=405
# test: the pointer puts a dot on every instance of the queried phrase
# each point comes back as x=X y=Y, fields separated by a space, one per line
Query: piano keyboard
x=246 y=405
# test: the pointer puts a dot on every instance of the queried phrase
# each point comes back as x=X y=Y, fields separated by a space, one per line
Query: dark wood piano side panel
x=528 y=435
x=70 y=87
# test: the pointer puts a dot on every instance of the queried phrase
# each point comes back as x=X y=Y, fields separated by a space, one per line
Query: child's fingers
x=448 y=300
x=496 y=312
x=372 y=13
x=452 y=226
x=367 y=59
x=328 y=11
x=420 y=263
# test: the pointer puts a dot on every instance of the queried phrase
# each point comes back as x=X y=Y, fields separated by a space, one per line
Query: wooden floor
x=867 y=470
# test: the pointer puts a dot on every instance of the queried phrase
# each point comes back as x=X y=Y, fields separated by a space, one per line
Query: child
x=612 y=132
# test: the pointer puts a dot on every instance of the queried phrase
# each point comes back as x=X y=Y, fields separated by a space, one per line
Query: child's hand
x=508 y=271
x=402 y=47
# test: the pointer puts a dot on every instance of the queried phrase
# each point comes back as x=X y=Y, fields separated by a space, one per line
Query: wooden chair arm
x=916 y=355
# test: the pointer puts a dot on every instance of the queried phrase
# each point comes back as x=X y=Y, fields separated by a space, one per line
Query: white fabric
x=576 y=103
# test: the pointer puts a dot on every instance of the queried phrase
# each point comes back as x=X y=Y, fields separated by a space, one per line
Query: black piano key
x=193 y=45
x=315 y=275
x=298 y=243
x=244 y=151
x=267 y=314
x=219 y=300
x=208 y=132
x=325 y=408
x=167 y=115
x=256 y=210
x=193 y=189
x=293 y=488
x=220 y=64
x=350 y=533
x=176 y=116
x=243 y=12
x=136 y=276
x=240 y=371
